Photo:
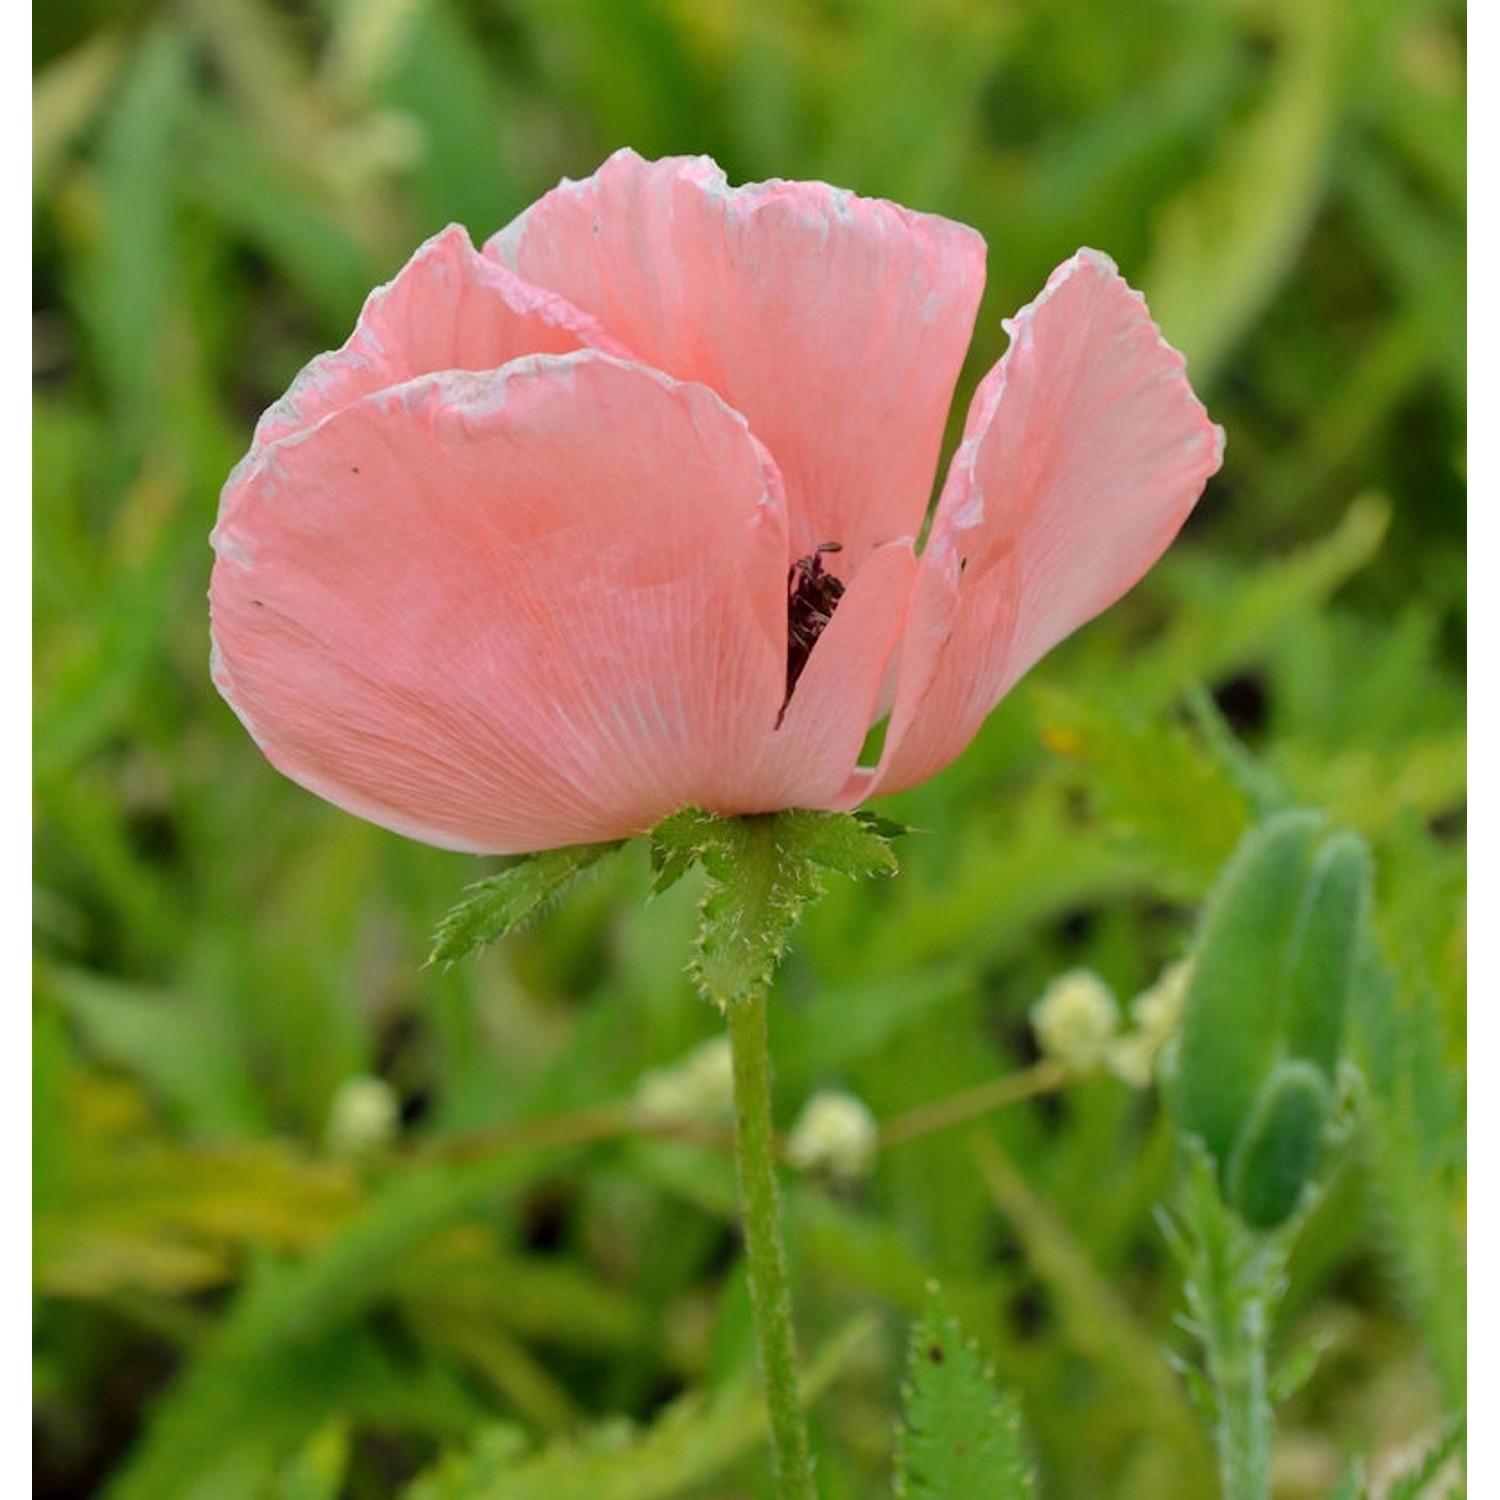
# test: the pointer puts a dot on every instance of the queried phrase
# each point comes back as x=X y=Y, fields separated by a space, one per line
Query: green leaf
x=1352 y=1486
x=1224 y=245
x=129 y=267
x=960 y=1437
x=1225 y=617
x=1416 y=1483
x=290 y=1353
x=499 y=905
x=695 y=1439
x=1278 y=1149
x=65 y=97
x=319 y=1469
x=1232 y=1281
x=442 y=81
x=1297 y=1368
x=1413 y=1134
x=851 y=845
x=677 y=844
x=763 y=872
x=1155 y=786
x=186 y=1056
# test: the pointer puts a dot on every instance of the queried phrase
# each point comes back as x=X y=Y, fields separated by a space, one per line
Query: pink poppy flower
x=616 y=515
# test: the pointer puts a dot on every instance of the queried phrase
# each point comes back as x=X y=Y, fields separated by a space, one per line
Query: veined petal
x=836 y=324
x=1084 y=451
x=509 y=610
x=448 y=308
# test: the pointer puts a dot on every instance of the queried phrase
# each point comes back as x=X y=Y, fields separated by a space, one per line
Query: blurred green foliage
x=228 y=1305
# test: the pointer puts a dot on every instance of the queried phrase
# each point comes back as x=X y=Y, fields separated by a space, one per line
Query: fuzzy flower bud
x=835 y=1134
x=696 y=1090
x=363 y=1118
x=1076 y=1020
x=1157 y=1013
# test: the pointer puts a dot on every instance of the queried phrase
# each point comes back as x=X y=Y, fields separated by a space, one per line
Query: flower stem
x=770 y=1294
x=1233 y=1280
x=1234 y=1310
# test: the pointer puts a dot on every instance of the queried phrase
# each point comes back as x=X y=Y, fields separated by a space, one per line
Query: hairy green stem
x=1236 y=1337
x=1233 y=1279
x=770 y=1293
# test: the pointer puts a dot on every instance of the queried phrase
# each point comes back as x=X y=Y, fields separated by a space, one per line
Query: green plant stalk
x=770 y=1293
x=1237 y=1371
x=1233 y=1280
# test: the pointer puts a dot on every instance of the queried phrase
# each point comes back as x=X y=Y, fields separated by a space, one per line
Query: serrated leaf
x=1296 y=1369
x=887 y=828
x=851 y=845
x=960 y=1437
x=677 y=844
x=1416 y=1482
x=763 y=872
x=499 y=905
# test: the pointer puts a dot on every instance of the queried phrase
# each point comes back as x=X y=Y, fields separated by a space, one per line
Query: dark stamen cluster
x=812 y=597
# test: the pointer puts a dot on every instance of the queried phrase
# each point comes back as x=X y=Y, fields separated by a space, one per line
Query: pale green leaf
x=500 y=904
x=960 y=1437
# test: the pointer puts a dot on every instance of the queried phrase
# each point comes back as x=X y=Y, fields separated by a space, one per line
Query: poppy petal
x=1084 y=451
x=836 y=324
x=806 y=761
x=509 y=610
x=448 y=308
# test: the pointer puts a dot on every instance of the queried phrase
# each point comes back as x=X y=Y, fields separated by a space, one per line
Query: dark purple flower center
x=812 y=595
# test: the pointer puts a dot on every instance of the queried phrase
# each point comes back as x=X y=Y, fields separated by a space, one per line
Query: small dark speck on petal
x=354 y=468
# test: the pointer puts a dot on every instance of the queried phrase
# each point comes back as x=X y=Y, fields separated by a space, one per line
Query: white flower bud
x=363 y=1118
x=835 y=1134
x=1158 y=1010
x=696 y=1090
x=1076 y=1020
x=1157 y=1013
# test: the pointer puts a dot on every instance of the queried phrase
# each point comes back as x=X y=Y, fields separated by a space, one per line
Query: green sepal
x=1326 y=949
x=501 y=903
x=1231 y=1019
x=1278 y=1149
x=959 y=1435
x=763 y=871
x=886 y=828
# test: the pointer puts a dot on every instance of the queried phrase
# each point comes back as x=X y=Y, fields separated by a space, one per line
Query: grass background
x=228 y=1307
